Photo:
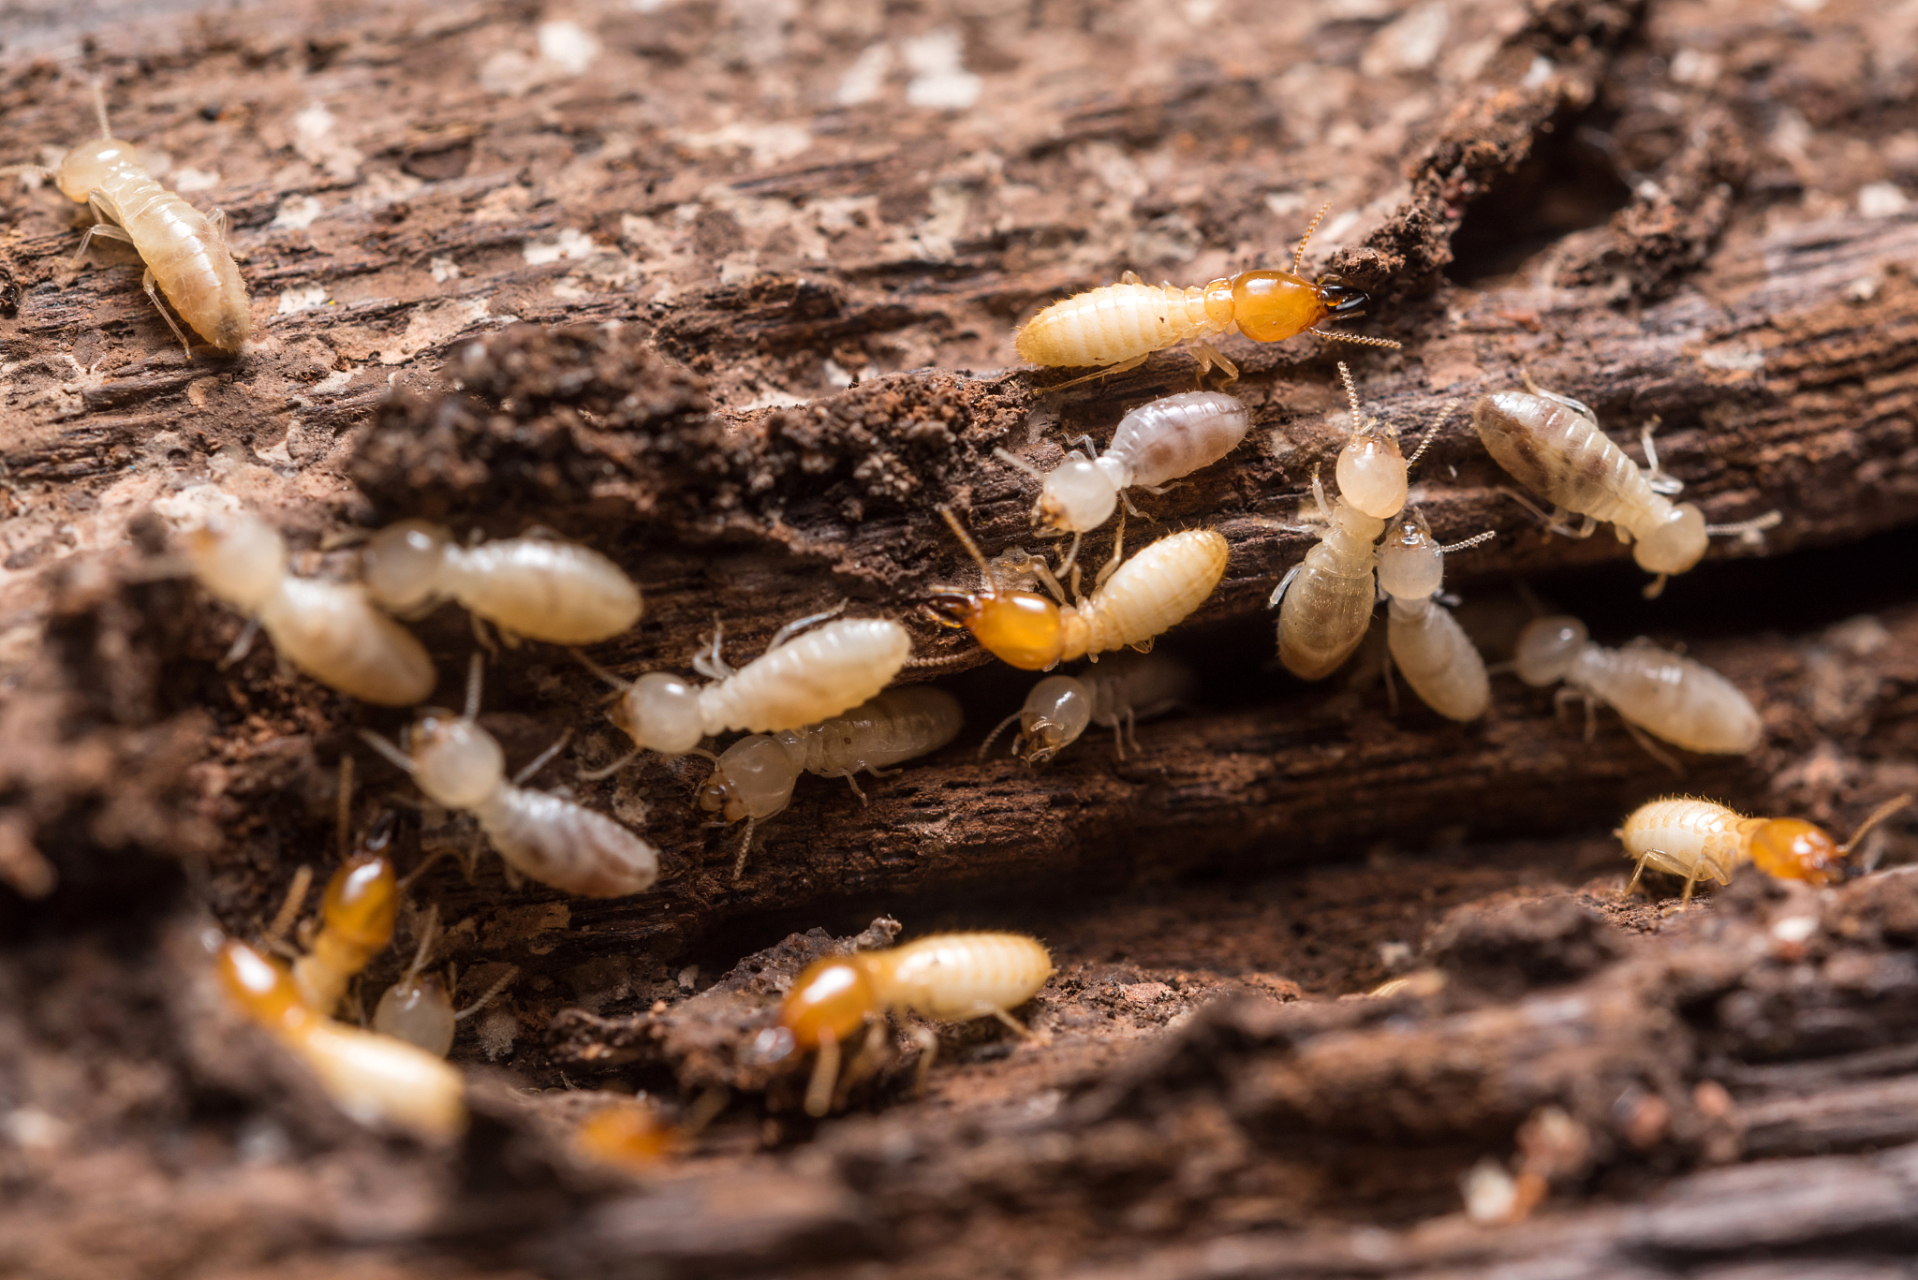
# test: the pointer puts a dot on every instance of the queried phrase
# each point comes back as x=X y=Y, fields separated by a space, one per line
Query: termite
x=1325 y=601
x=375 y=1079
x=185 y=251
x=1142 y=598
x=1426 y=642
x=418 y=1008
x=1371 y=470
x=1116 y=694
x=1672 y=697
x=1703 y=840
x=545 y=837
x=754 y=778
x=949 y=976
x=356 y=924
x=330 y=630
x=796 y=682
x=540 y=588
x=1117 y=326
x=1553 y=445
x=1156 y=443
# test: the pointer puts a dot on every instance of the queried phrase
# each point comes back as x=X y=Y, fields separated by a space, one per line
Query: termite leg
x=1578 y=406
x=1656 y=587
x=1278 y=593
x=1018 y=1028
x=1210 y=358
x=482 y=635
x=928 y=1041
x=242 y=644
x=153 y=292
x=290 y=905
x=1691 y=882
x=863 y=1064
x=1639 y=871
x=797 y=625
x=708 y=662
x=1654 y=474
x=1106 y=372
x=854 y=784
x=1072 y=556
x=1554 y=519
x=825 y=1073
x=394 y=756
x=541 y=760
x=1118 y=549
x=104 y=230
x=1391 y=685
x=1652 y=749
x=1085 y=442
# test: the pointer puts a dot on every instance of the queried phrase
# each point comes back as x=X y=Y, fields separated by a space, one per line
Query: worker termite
x=1672 y=697
x=1554 y=446
x=1116 y=694
x=186 y=252
x=796 y=682
x=1325 y=601
x=1143 y=597
x=418 y=1008
x=1156 y=443
x=1116 y=326
x=1371 y=470
x=540 y=588
x=949 y=976
x=1702 y=840
x=330 y=630
x=375 y=1079
x=1433 y=652
x=753 y=779
x=545 y=837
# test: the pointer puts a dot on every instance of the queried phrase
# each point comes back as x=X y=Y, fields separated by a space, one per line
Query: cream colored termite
x=801 y=679
x=1133 y=602
x=186 y=252
x=948 y=976
x=1703 y=840
x=1671 y=697
x=540 y=588
x=1325 y=602
x=330 y=630
x=1371 y=471
x=753 y=779
x=545 y=837
x=1116 y=694
x=1552 y=444
x=1431 y=650
x=418 y=1008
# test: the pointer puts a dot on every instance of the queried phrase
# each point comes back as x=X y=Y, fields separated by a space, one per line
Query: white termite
x=800 y=680
x=1671 y=697
x=1431 y=650
x=1371 y=471
x=1704 y=840
x=418 y=1008
x=540 y=588
x=1116 y=694
x=545 y=837
x=185 y=251
x=1553 y=445
x=1325 y=601
x=330 y=630
x=1153 y=445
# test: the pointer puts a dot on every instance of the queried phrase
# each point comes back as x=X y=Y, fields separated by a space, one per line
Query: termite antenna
x=290 y=906
x=100 y=107
x=1359 y=338
x=1019 y=464
x=1352 y=397
x=429 y=934
x=1878 y=815
x=986 y=746
x=343 y=819
x=397 y=758
x=615 y=681
x=972 y=549
x=1757 y=524
x=492 y=993
x=1472 y=541
x=1298 y=257
x=1419 y=452
x=475 y=670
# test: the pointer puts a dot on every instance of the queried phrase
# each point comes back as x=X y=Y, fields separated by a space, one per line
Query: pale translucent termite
x=1325 y=601
x=1703 y=840
x=948 y=976
x=1153 y=445
x=418 y=1008
x=330 y=630
x=544 y=837
x=801 y=679
x=186 y=252
x=1671 y=697
x=1135 y=601
x=540 y=588
x=373 y=1078
x=1371 y=470
x=1115 y=694
x=1116 y=326
x=754 y=778
x=1553 y=445
x=1426 y=642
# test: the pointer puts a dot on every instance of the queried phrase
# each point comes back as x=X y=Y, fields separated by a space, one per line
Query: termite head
x=418 y=1010
x=455 y=762
x=1056 y=713
x=1020 y=628
x=753 y=778
x=1793 y=849
x=1078 y=495
x=402 y=563
x=362 y=901
x=1410 y=563
x=830 y=999
x=660 y=712
x=240 y=559
x=1675 y=544
x=1270 y=306
x=86 y=168
x=264 y=989
x=1548 y=647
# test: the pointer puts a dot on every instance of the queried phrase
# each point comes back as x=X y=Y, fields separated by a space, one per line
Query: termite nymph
x=540 y=588
x=1116 y=694
x=1702 y=840
x=375 y=1079
x=1431 y=650
x=1371 y=470
x=1117 y=326
x=1553 y=445
x=1142 y=598
x=330 y=630
x=1671 y=697
x=545 y=837
x=949 y=976
x=185 y=251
